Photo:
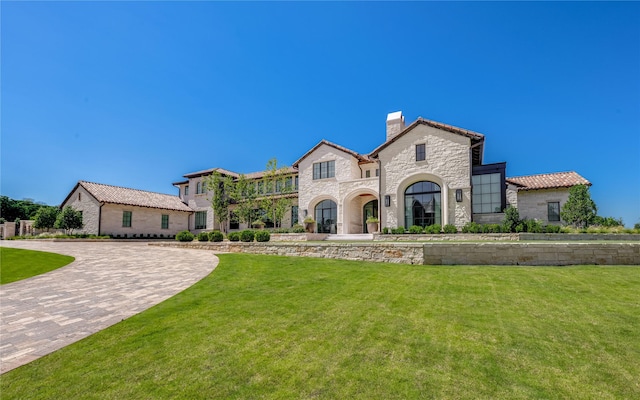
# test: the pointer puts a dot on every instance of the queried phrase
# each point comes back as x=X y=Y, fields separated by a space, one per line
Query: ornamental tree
x=223 y=188
x=69 y=219
x=579 y=210
x=46 y=218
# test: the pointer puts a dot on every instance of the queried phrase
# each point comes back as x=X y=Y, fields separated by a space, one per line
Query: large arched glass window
x=326 y=216
x=422 y=204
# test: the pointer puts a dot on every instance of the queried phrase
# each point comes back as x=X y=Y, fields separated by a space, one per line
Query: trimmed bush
x=472 y=227
x=263 y=236
x=247 y=235
x=491 y=228
x=415 y=229
x=533 y=226
x=297 y=228
x=203 y=237
x=216 y=236
x=449 y=228
x=552 y=228
x=433 y=229
x=398 y=231
x=385 y=230
x=233 y=236
x=185 y=236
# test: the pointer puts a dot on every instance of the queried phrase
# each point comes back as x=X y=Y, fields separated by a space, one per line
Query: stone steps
x=350 y=237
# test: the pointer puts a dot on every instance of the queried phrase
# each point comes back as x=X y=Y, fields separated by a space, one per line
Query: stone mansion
x=424 y=173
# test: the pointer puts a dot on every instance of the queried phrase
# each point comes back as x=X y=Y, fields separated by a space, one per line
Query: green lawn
x=17 y=264
x=277 y=327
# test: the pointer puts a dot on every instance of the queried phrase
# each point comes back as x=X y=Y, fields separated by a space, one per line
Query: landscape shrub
x=247 y=235
x=533 y=226
x=398 y=231
x=433 y=229
x=491 y=228
x=511 y=219
x=385 y=230
x=263 y=236
x=414 y=229
x=449 y=228
x=203 y=237
x=233 y=236
x=552 y=228
x=185 y=236
x=216 y=236
x=297 y=228
x=472 y=227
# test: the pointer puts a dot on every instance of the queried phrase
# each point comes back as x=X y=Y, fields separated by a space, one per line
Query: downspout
x=471 y=174
x=100 y=218
x=380 y=200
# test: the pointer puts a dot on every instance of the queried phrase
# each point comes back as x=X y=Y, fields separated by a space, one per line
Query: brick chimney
x=395 y=124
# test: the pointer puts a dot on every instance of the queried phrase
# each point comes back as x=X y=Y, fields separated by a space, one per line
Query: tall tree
x=69 y=219
x=245 y=196
x=223 y=188
x=277 y=186
x=46 y=217
x=579 y=210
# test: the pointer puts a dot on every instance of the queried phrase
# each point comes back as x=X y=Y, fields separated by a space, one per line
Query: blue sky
x=137 y=94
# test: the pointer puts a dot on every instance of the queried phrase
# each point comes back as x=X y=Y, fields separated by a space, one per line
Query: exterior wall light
x=459 y=195
x=387 y=200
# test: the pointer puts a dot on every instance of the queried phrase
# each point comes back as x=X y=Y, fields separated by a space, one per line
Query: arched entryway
x=369 y=210
x=326 y=215
x=422 y=204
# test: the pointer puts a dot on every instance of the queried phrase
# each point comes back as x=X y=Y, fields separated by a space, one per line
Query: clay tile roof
x=133 y=197
x=209 y=171
x=260 y=174
x=358 y=156
x=548 y=181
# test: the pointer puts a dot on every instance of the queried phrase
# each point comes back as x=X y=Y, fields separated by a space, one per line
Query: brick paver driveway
x=106 y=283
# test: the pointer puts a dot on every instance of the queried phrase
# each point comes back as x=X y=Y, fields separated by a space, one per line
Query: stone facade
x=447 y=163
x=533 y=204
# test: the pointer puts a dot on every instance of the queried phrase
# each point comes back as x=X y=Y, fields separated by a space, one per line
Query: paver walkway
x=106 y=283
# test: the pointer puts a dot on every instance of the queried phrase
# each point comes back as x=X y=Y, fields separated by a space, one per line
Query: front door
x=369 y=210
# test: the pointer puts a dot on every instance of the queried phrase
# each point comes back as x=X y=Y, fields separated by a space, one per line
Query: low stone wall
x=531 y=253
x=579 y=236
x=399 y=253
x=297 y=237
x=377 y=237
x=441 y=253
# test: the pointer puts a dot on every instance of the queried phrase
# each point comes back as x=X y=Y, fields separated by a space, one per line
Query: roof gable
x=352 y=153
x=131 y=197
x=548 y=181
x=477 y=139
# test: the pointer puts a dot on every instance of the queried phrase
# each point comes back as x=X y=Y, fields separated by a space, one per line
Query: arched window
x=326 y=216
x=422 y=204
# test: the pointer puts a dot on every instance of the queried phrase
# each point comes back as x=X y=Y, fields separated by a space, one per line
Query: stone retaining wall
x=531 y=253
x=441 y=253
x=502 y=237
x=399 y=253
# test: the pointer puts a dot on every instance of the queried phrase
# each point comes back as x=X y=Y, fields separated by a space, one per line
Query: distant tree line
x=45 y=217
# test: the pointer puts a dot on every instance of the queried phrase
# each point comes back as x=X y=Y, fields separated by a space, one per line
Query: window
x=377 y=172
x=186 y=190
x=294 y=215
x=126 y=219
x=553 y=211
x=79 y=196
x=288 y=183
x=234 y=221
x=198 y=190
x=165 y=221
x=422 y=204
x=201 y=219
x=295 y=187
x=367 y=173
x=326 y=169
x=487 y=193
x=421 y=153
x=326 y=216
